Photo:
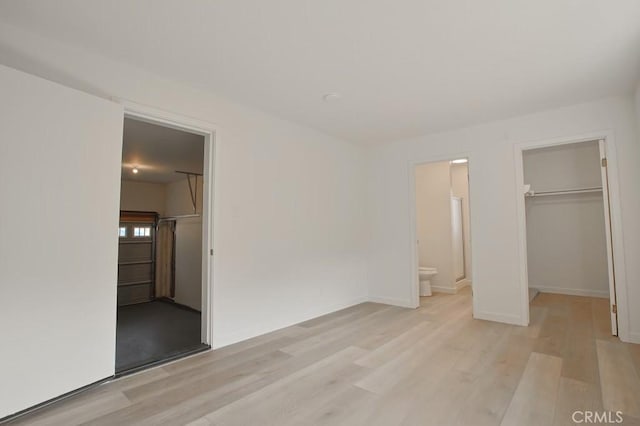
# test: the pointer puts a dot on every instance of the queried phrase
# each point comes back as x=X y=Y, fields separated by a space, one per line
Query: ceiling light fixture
x=331 y=97
x=459 y=161
x=135 y=170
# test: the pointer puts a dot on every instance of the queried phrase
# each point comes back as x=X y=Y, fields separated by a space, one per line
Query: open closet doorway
x=162 y=280
x=442 y=254
x=569 y=244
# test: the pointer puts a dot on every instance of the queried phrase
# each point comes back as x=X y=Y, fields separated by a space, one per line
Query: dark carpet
x=150 y=332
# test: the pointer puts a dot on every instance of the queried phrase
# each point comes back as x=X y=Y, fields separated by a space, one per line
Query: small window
x=142 y=231
x=123 y=231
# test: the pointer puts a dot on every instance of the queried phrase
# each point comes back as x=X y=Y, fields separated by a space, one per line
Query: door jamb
x=211 y=141
x=615 y=211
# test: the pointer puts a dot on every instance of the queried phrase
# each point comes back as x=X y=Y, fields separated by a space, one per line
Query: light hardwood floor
x=373 y=364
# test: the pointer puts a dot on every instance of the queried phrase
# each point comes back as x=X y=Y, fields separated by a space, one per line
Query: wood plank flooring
x=374 y=364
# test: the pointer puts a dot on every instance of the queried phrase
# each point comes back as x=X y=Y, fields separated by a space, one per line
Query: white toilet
x=425 y=275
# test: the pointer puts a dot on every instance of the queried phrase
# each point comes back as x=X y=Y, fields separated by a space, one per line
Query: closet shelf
x=135 y=262
x=145 y=241
x=130 y=283
x=563 y=192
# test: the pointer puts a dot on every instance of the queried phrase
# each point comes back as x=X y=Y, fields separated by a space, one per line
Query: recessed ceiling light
x=331 y=97
x=459 y=161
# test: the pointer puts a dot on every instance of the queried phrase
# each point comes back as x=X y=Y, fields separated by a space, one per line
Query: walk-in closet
x=567 y=216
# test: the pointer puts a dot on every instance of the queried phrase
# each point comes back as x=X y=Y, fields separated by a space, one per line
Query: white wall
x=575 y=165
x=433 y=222
x=637 y=99
x=460 y=188
x=290 y=218
x=60 y=156
x=142 y=196
x=178 y=198
x=566 y=240
x=188 y=242
x=493 y=201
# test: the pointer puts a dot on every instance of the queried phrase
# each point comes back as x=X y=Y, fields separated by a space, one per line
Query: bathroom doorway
x=442 y=253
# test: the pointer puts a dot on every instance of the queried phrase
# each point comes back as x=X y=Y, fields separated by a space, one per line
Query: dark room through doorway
x=160 y=252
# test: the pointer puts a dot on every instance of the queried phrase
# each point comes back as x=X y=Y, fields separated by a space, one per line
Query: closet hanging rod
x=564 y=192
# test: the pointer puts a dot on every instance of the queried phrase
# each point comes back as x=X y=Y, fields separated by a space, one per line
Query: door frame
x=413 y=231
x=454 y=200
x=211 y=141
x=614 y=224
x=606 y=200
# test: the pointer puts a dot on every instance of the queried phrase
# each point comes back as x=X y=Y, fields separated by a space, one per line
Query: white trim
x=394 y=302
x=615 y=211
x=414 y=285
x=604 y=172
x=446 y=290
x=209 y=131
x=497 y=317
x=522 y=234
x=465 y=282
x=633 y=337
x=572 y=291
x=459 y=285
x=616 y=219
x=167 y=118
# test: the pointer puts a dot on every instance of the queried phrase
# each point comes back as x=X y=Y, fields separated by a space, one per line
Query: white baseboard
x=264 y=328
x=449 y=290
x=390 y=301
x=632 y=337
x=572 y=291
x=492 y=316
x=462 y=284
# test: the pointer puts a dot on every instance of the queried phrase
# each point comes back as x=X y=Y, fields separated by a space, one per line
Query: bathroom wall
x=460 y=188
x=433 y=220
x=566 y=245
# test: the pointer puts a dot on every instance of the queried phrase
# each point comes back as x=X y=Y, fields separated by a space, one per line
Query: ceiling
x=403 y=67
x=157 y=152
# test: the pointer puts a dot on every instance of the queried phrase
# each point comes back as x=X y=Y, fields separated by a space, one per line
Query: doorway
x=566 y=224
x=163 y=257
x=442 y=253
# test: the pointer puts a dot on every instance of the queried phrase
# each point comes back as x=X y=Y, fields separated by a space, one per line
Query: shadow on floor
x=150 y=332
